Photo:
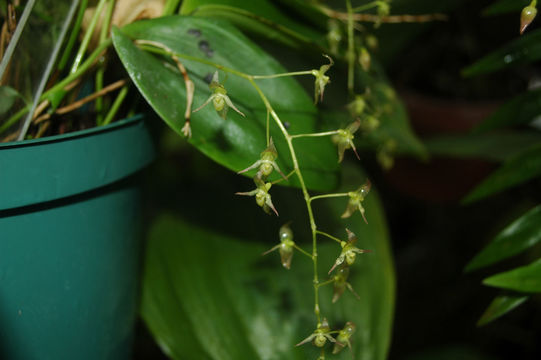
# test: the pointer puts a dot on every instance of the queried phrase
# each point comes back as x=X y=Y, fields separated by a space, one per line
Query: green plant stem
x=279 y=180
x=324 y=196
x=329 y=236
x=87 y=36
x=100 y=73
x=351 y=50
x=302 y=251
x=326 y=133
x=294 y=73
x=73 y=35
x=327 y=282
x=306 y=195
x=114 y=108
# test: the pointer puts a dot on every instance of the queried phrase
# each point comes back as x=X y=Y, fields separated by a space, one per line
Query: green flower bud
x=364 y=59
x=527 y=15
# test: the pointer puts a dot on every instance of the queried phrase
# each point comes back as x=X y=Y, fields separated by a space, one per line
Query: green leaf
x=505 y=6
x=211 y=296
x=236 y=142
x=522 y=50
x=8 y=96
x=520 y=235
x=516 y=170
x=257 y=16
x=525 y=278
x=496 y=146
x=520 y=110
x=500 y=306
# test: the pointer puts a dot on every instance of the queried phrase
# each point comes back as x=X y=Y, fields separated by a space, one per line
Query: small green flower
x=262 y=196
x=219 y=98
x=349 y=251
x=344 y=139
x=343 y=337
x=320 y=335
x=356 y=199
x=321 y=79
x=285 y=247
x=340 y=283
x=266 y=163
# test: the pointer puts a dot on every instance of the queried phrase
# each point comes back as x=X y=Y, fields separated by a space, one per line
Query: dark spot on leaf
x=194 y=32
x=208 y=78
x=204 y=46
x=287 y=124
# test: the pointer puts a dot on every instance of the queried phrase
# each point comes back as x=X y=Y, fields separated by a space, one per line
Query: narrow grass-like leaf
x=520 y=110
x=523 y=50
x=516 y=170
x=520 y=235
x=500 y=306
x=525 y=278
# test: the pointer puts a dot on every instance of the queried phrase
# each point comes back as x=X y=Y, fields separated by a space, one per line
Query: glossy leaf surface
x=257 y=16
x=211 y=296
x=525 y=49
x=500 y=306
x=236 y=142
x=520 y=110
x=525 y=278
x=520 y=235
x=516 y=170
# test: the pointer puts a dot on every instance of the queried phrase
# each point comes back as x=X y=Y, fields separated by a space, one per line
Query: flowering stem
x=302 y=251
x=160 y=48
x=279 y=180
x=330 y=281
x=326 y=133
x=273 y=76
x=351 y=50
x=324 y=196
x=329 y=236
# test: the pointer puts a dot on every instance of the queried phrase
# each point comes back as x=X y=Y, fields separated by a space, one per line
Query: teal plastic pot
x=69 y=243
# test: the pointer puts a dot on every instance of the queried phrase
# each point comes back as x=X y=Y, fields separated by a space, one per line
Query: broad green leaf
x=505 y=6
x=520 y=110
x=236 y=304
x=520 y=235
x=500 y=306
x=516 y=170
x=496 y=146
x=522 y=50
x=259 y=17
x=236 y=142
x=525 y=278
